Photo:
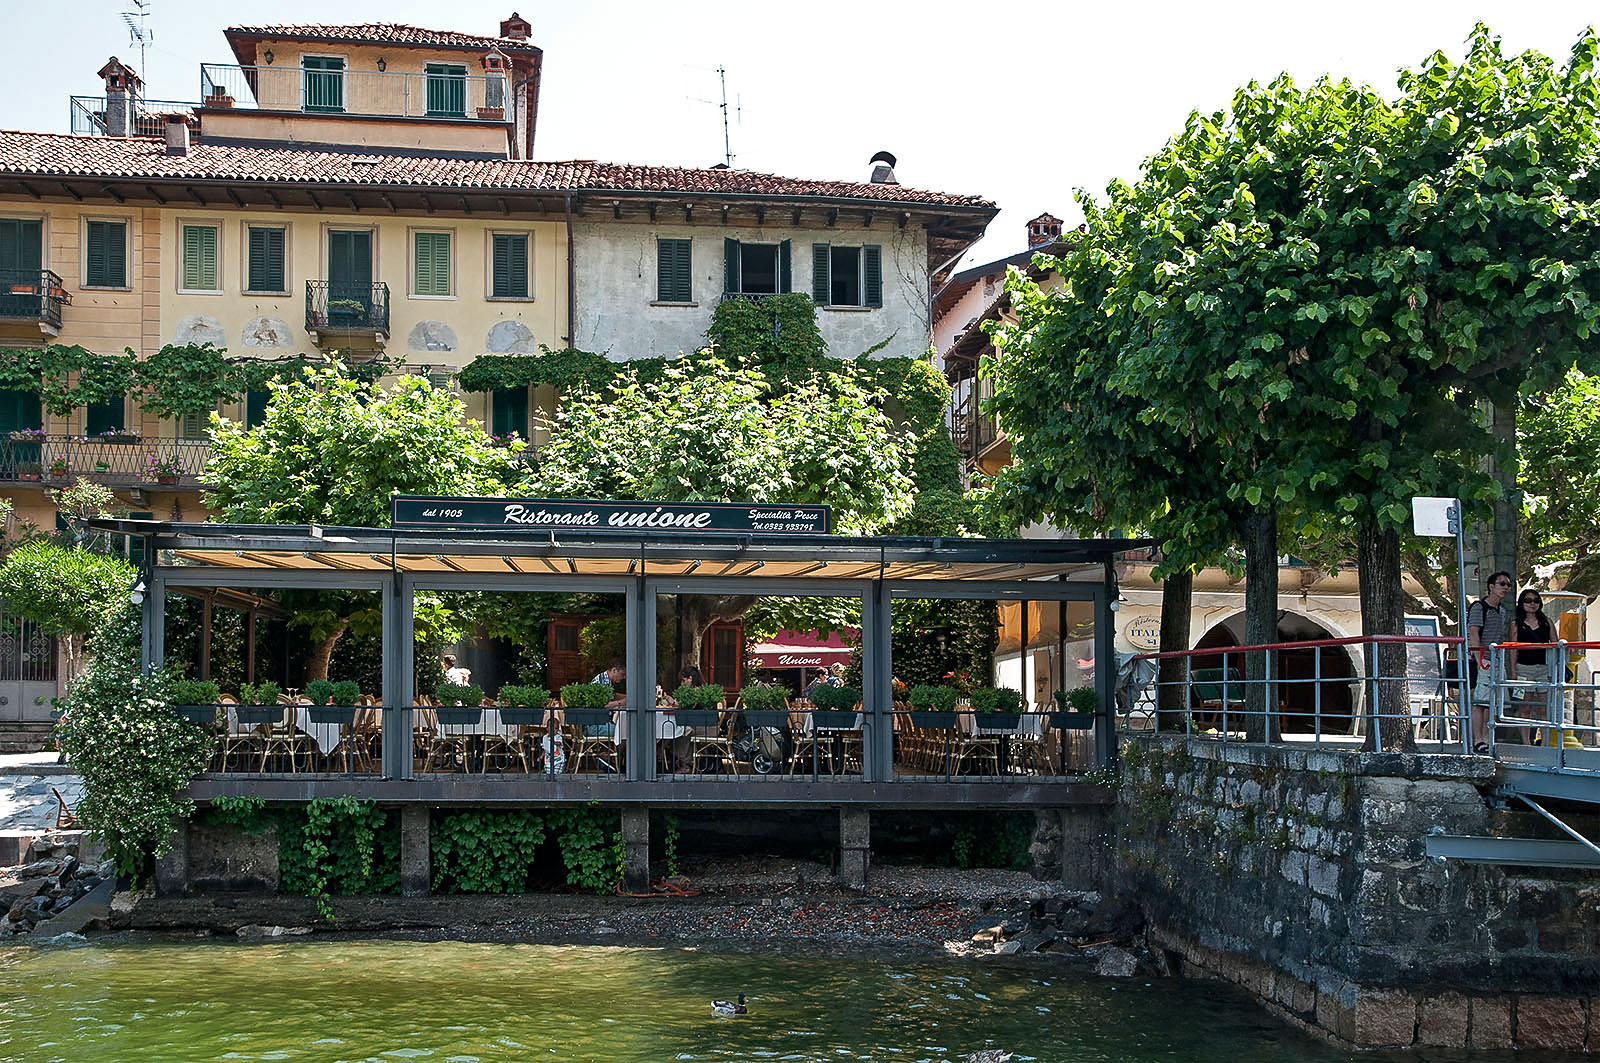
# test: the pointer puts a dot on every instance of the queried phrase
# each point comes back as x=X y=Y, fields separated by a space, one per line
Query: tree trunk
x=1383 y=613
x=700 y=611
x=1172 y=697
x=1260 y=618
x=322 y=652
x=1497 y=540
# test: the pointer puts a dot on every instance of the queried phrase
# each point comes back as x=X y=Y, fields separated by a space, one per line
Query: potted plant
x=59 y=467
x=26 y=435
x=764 y=704
x=164 y=469
x=346 y=311
x=999 y=708
x=835 y=706
x=258 y=703
x=491 y=114
x=698 y=706
x=584 y=704
x=333 y=702
x=120 y=436
x=933 y=706
x=28 y=470
x=195 y=700
x=1076 y=709
x=101 y=466
x=523 y=705
x=459 y=703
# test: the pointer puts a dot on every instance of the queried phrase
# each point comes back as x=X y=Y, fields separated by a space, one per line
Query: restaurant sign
x=538 y=514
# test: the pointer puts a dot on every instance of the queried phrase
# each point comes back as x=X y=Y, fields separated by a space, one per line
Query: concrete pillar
x=117 y=108
x=416 y=854
x=636 y=849
x=172 y=866
x=1085 y=846
x=855 y=844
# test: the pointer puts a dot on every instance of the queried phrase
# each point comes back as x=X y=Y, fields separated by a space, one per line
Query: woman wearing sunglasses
x=1531 y=664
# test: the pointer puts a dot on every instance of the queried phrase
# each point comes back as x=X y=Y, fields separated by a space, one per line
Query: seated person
x=612 y=677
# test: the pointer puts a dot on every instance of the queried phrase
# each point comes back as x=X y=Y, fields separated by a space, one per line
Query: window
x=674 y=282
x=105 y=254
x=447 y=90
x=509 y=266
x=255 y=407
x=755 y=269
x=101 y=417
x=430 y=274
x=192 y=427
x=323 y=85
x=21 y=249
x=508 y=412
x=200 y=258
x=847 y=276
x=264 y=262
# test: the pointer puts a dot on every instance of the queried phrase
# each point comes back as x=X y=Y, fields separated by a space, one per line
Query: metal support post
x=639 y=658
x=877 y=669
x=1105 y=668
x=1463 y=692
x=399 y=682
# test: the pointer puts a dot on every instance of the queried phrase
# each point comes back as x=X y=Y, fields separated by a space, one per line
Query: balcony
x=440 y=94
x=337 y=313
x=116 y=461
x=101 y=116
x=33 y=296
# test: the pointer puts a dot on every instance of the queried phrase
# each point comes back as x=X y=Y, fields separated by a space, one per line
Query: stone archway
x=1315 y=687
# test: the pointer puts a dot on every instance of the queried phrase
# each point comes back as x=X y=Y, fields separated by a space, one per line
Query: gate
x=27 y=670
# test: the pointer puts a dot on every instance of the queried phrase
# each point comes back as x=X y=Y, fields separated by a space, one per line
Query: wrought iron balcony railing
x=32 y=295
x=102 y=116
x=444 y=91
x=116 y=460
x=335 y=307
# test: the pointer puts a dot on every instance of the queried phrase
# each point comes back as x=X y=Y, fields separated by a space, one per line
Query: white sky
x=1020 y=102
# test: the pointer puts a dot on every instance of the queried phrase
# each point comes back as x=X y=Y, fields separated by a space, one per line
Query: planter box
x=696 y=717
x=1072 y=721
x=492 y=114
x=342 y=714
x=201 y=714
x=522 y=716
x=766 y=717
x=834 y=718
x=587 y=717
x=999 y=721
x=459 y=715
x=259 y=713
x=930 y=718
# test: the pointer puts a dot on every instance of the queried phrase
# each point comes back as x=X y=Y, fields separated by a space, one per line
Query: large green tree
x=1327 y=281
x=330 y=451
x=705 y=431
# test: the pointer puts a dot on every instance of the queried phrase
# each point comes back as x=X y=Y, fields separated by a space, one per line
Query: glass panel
x=447 y=90
x=324 y=83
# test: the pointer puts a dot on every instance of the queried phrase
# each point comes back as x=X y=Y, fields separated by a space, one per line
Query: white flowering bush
x=134 y=753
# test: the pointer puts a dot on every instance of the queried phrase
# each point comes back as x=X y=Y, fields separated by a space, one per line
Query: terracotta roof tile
x=59 y=155
x=382 y=33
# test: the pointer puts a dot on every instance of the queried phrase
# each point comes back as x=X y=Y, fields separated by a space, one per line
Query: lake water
x=390 y=1002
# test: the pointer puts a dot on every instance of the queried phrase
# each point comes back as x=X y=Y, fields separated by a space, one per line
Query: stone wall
x=1302 y=877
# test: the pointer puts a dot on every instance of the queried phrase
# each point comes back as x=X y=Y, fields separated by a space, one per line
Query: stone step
x=25 y=737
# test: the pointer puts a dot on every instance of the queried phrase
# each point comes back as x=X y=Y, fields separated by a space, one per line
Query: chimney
x=1045 y=229
x=515 y=28
x=882 y=169
x=177 y=134
x=122 y=97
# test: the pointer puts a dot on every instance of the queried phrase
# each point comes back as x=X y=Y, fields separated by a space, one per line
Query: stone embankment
x=51 y=880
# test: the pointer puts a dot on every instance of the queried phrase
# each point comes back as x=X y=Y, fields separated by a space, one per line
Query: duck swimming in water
x=723 y=1007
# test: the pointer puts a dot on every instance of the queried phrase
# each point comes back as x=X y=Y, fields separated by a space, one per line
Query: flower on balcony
x=60 y=467
x=510 y=439
x=163 y=468
x=118 y=435
x=26 y=435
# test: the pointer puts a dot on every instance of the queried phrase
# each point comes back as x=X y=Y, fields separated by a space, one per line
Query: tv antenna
x=738 y=112
x=138 y=32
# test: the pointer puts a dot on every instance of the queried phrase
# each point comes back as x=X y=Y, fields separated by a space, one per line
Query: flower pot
x=1072 y=721
x=522 y=716
x=587 y=717
x=492 y=114
x=29 y=477
x=932 y=719
x=219 y=101
x=833 y=718
x=766 y=717
x=166 y=479
x=696 y=717
x=201 y=714
x=340 y=714
x=999 y=721
x=459 y=715
x=259 y=713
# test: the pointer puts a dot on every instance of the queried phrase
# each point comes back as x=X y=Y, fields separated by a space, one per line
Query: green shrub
x=587 y=695
x=194 y=692
x=929 y=698
x=1007 y=700
x=524 y=697
x=700 y=697
x=985 y=699
x=262 y=693
x=459 y=693
x=762 y=696
x=346 y=692
x=837 y=699
x=319 y=691
x=1079 y=699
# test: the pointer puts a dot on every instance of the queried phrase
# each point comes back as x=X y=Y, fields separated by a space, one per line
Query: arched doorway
x=1310 y=683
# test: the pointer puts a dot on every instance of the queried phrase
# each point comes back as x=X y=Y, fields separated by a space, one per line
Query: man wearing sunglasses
x=1486 y=626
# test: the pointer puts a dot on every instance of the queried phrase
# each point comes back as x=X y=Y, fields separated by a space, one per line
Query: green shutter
x=446 y=90
x=510 y=266
x=21 y=246
x=674 y=280
x=106 y=254
x=266 y=260
x=192 y=426
x=255 y=407
x=432 y=264
x=730 y=264
x=820 y=276
x=104 y=416
x=872 y=272
x=785 y=271
x=508 y=412
x=200 y=258
x=324 y=83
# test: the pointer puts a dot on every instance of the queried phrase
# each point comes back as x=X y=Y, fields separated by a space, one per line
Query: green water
x=460 y=1003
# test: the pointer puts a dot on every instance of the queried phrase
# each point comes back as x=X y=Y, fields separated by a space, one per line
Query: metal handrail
x=399 y=94
x=340 y=307
x=92 y=116
x=61 y=458
x=32 y=295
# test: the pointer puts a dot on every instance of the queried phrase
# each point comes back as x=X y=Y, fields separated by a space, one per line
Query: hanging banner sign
x=537 y=514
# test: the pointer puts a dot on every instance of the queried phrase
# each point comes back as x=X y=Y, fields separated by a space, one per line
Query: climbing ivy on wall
x=494 y=851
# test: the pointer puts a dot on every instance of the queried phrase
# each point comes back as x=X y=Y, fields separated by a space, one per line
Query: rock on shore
x=45 y=885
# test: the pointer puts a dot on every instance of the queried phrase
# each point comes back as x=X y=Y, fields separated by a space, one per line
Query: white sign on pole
x=1431 y=516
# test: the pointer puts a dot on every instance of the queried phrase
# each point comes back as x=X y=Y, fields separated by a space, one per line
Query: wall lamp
x=136 y=594
x=382 y=66
x=267 y=56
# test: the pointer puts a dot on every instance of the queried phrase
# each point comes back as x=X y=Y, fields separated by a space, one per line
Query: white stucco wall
x=616 y=285
x=972 y=303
